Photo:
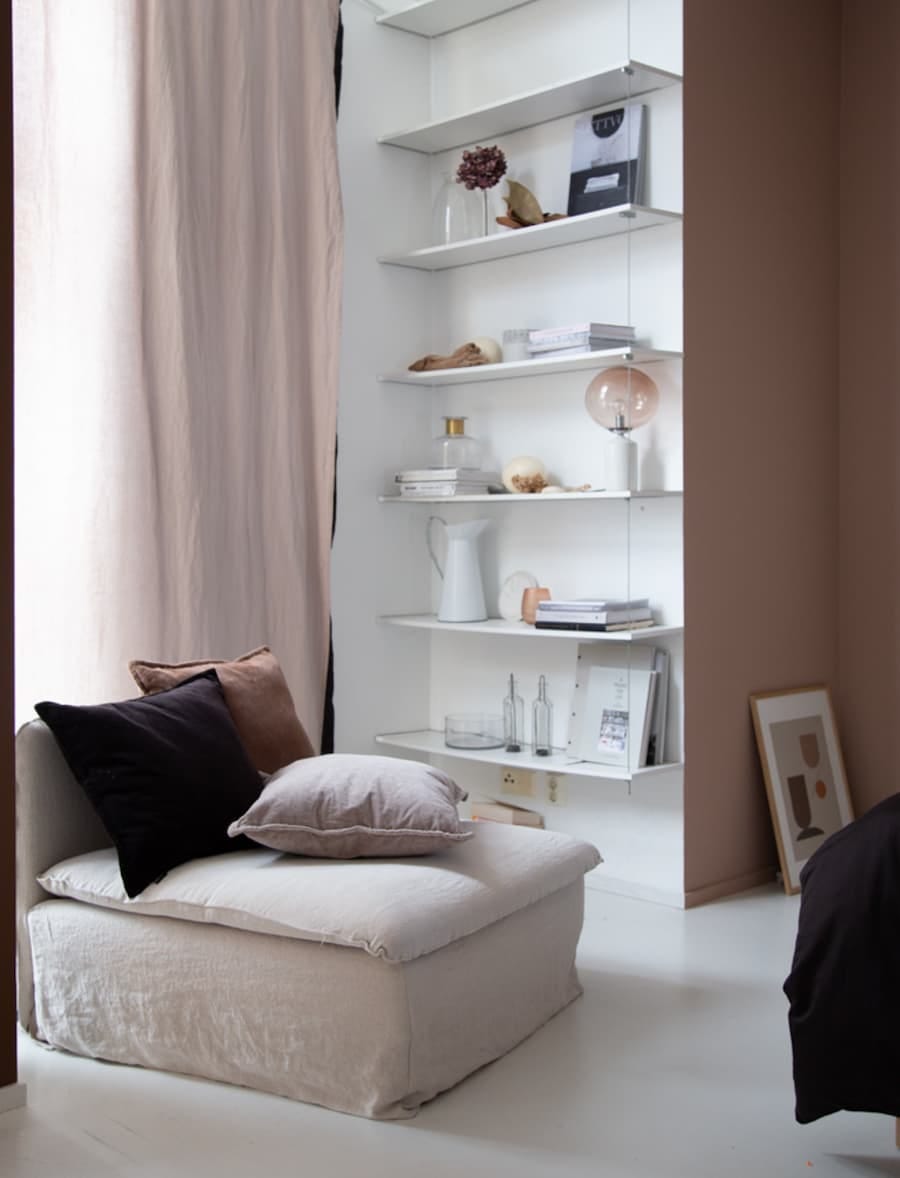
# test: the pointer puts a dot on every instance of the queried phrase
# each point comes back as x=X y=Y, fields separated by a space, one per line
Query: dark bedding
x=844 y=984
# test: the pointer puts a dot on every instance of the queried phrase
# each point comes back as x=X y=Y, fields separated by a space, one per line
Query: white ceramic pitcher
x=462 y=597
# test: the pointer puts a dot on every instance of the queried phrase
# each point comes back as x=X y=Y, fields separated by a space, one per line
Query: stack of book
x=594 y=613
x=577 y=338
x=506 y=812
x=446 y=481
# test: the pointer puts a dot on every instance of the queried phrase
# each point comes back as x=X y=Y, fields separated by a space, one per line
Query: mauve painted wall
x=761 y=115
x=7 y=773
x=868 y=697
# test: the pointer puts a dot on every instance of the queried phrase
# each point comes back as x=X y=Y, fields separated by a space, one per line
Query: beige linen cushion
x=347 y=806
x=398 y=909
x=257 y=696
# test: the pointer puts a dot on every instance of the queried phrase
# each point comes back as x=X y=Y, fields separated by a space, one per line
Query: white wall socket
x=556 y=789
x=517 y=781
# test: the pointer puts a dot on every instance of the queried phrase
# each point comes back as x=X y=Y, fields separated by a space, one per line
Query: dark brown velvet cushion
x=258 y=698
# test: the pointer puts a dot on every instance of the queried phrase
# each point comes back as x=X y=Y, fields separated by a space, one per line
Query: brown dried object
x=482 y=167
x=522 y=208
x=529 y=484
x=466 y=356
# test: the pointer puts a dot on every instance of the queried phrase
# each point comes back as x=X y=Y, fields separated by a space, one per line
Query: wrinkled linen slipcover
x=844 y=984
x=367 y=986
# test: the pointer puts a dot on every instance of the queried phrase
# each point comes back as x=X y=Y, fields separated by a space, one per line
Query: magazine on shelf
x=612 y=706
x=608 y=150
x=621 y=702
x=656 y=746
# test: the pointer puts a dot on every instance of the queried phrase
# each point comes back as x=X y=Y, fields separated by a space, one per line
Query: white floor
x=674 y=1064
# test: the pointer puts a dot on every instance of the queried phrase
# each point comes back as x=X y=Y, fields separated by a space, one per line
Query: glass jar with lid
x=455 y=448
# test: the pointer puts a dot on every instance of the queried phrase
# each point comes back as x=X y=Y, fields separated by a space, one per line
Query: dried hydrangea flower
x=482 y=167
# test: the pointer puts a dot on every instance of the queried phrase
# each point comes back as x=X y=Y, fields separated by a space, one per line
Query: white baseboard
x=599 y=881
x=11 y=1096
x=730 y=887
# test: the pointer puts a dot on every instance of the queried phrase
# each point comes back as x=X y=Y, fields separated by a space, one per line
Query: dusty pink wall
x=760 y=399
x=7 y=772
x=868 y=698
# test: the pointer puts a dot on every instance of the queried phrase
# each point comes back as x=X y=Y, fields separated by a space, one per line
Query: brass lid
x=454 y=425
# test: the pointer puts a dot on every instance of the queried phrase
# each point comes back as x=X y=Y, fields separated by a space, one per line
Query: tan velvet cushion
x=257 y=696
x=346 y=806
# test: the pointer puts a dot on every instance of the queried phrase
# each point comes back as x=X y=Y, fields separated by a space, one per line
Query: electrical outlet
x=556 y=789
x=518 y=781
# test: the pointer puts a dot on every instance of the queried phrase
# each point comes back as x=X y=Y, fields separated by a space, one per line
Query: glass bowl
x=473 y=730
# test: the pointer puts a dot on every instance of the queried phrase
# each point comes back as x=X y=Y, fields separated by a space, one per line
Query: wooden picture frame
x=803 y=767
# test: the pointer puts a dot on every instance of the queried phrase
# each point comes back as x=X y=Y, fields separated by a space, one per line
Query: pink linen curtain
x=178 y=251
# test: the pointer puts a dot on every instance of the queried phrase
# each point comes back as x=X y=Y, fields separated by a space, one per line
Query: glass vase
x=456 y=214
x=455 y=448
x=484 y=227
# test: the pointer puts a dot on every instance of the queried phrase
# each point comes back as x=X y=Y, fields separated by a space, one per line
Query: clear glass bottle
x=455 y=448
x=541 y=722
x=513 y=719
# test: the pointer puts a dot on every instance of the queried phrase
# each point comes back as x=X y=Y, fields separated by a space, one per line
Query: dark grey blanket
x=844 y=984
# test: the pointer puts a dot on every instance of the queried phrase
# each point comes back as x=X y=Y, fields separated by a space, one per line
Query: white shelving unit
x=552 y=235
x=618 y=81
x=532 y=500
x=622 y=264
x=515 y=369
x=434 y=18
x=506 y=629
x=428 y=741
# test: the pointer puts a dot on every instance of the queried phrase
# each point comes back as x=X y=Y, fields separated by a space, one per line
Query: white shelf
x=433 y=18
x=620 y=81
x=554 y=497
x=432 y=742
x=513 y=369
x=524 y=630
x=509 y=242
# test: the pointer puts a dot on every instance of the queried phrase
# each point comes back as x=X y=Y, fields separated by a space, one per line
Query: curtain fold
x=183 y=241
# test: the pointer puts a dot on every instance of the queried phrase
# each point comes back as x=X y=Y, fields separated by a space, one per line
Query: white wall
x=391 y=679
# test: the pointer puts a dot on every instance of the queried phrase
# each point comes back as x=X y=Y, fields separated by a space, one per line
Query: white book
x=551 y=334
x=598 y=617
x=620 y=706
x=594 y=604
x=442 y=490
x=578 y=349
x=442 y=474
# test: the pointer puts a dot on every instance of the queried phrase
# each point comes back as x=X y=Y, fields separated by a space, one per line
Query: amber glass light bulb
x=621 y=398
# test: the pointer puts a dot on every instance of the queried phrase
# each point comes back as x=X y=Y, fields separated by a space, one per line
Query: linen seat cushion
x=396 y=909
x=258 y=698
x=166 y=774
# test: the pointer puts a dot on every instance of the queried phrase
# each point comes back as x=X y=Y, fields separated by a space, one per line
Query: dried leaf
x=522 y=204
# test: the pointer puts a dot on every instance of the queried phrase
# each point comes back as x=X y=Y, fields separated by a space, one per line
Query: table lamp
x=621 y=399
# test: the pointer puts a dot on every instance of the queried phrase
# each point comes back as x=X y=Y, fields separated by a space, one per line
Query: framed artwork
x=804 y=772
